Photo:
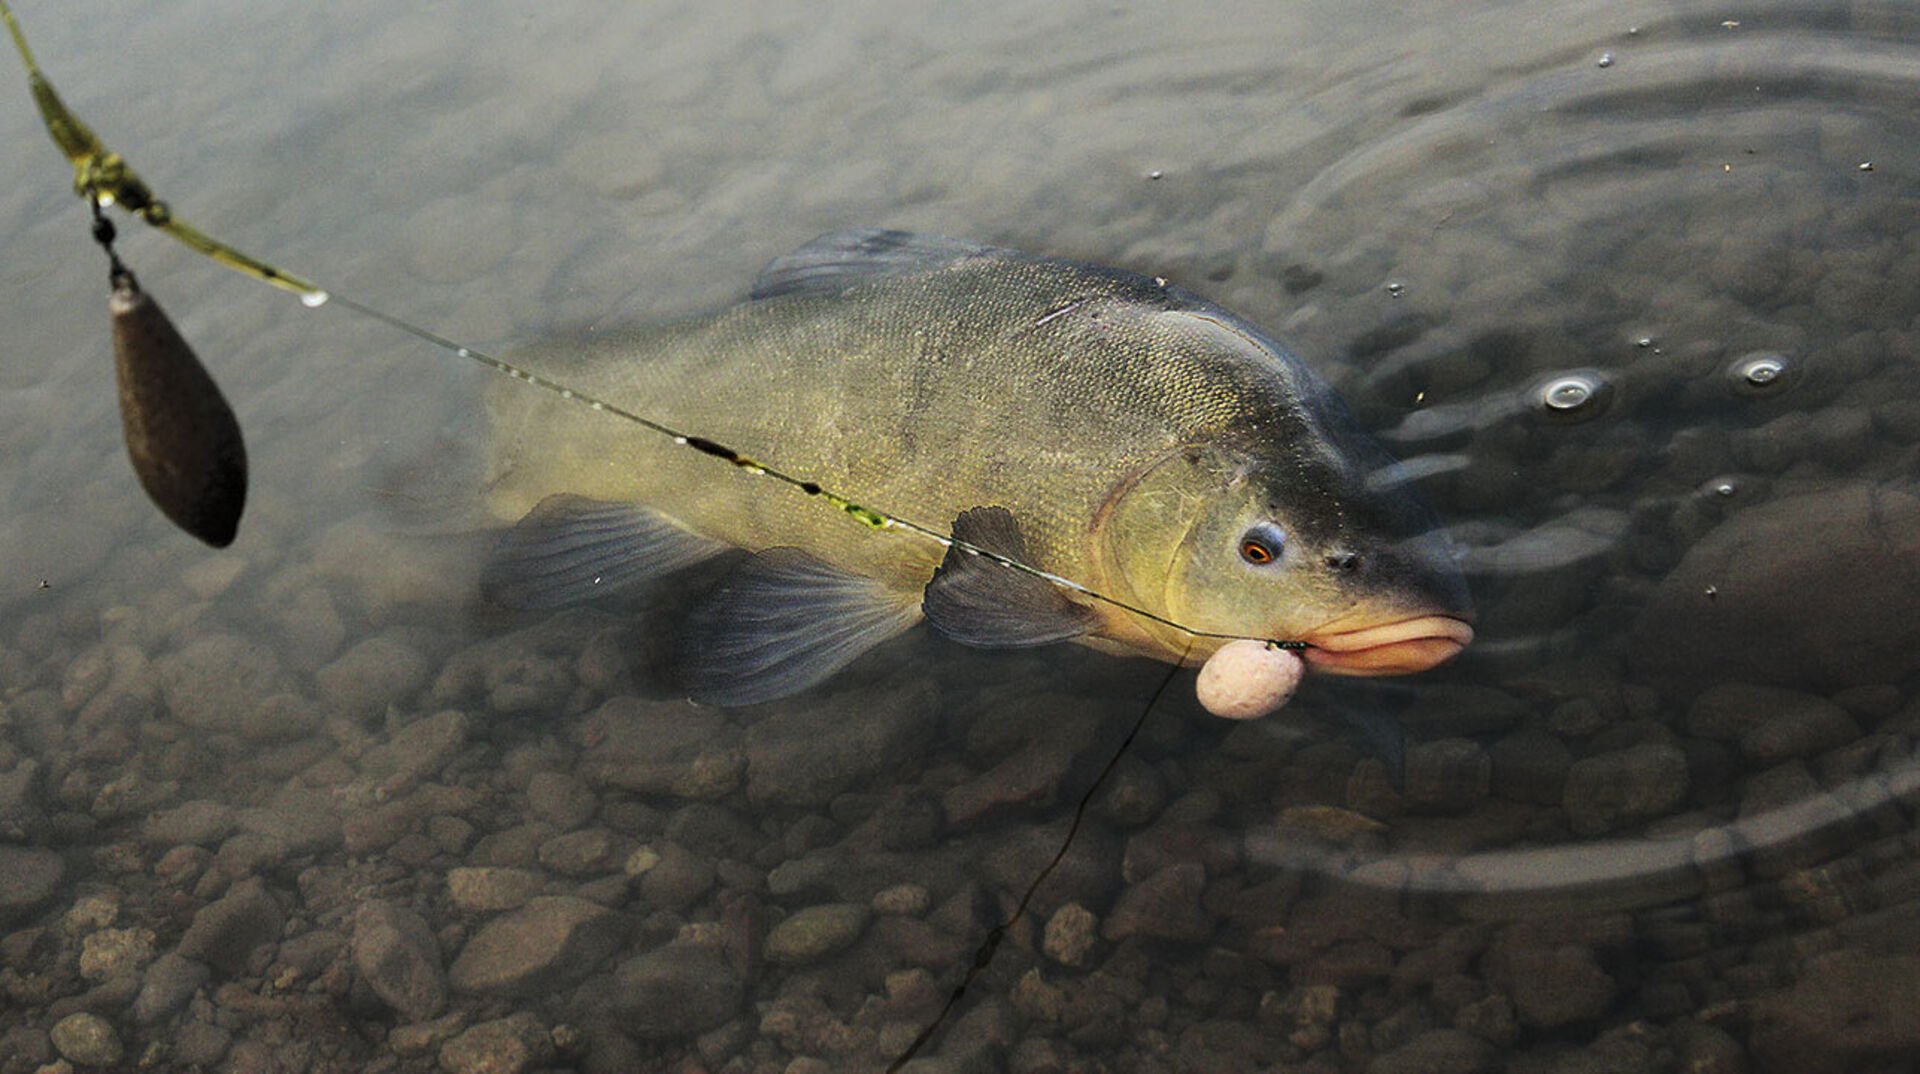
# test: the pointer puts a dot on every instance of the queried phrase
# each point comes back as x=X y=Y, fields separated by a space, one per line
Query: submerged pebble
x=1801 y=593
x=551 y=942
x=675 y=991
x=510 y=1045
x=394 y=951
x=225 y=932
x=87 y=1039
x=491 y=888
x=816 y=931
x=29 y=878
x=1070 y=935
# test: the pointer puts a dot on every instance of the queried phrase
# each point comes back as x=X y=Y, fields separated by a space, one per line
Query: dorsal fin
x=841 y=259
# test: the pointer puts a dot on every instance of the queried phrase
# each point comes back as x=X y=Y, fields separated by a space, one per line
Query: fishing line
x=105 y=178
x=983 y=955
x=871 y=517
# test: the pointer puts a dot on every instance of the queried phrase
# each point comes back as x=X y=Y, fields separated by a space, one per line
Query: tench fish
x=1097 y=424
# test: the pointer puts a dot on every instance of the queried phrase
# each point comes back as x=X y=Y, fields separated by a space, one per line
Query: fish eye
x=1263 y=544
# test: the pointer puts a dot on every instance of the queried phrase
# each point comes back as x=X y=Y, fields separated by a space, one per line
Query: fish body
x=1096 y=424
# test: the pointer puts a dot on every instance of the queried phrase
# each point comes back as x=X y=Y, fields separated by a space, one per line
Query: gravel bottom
x=304 y=806
x=501 y=850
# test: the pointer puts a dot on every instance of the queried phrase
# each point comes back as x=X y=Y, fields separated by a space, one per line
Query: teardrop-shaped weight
x=181 y=435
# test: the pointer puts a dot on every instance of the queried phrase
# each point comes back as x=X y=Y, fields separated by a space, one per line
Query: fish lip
x=1401 y=647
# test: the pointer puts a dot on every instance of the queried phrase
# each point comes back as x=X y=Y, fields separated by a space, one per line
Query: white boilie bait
x=1248 y=679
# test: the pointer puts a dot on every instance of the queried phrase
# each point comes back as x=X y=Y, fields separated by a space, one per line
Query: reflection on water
x=1632 y=293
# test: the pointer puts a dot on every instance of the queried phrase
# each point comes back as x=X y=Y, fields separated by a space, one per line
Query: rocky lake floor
x=1632 y=293
x=233 y=839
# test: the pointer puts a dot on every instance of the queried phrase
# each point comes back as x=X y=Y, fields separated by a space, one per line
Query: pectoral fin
x=976 y=601
x=572 y=548
x=781 y=622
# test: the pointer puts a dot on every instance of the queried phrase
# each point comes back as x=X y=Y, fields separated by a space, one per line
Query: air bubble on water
x=1396 y=288
x=1568 y=394
x=313 y=300
x=1761 y=373
x=1643 y=342
x=1575 y=396
x=1606 y=60
x=1720 y=488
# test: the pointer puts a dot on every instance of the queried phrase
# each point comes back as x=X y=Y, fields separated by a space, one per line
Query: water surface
x=1635 y=291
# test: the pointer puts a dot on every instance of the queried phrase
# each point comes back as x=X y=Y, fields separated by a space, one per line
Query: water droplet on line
x=313 y=300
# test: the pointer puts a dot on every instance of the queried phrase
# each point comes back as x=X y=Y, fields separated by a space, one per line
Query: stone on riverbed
x=29 y=878
x=1849 y=1011
x=395 y=952
x=676 y=991
x=816 y=932
x=551 y=942
x=1815 y=589
x=225 y=932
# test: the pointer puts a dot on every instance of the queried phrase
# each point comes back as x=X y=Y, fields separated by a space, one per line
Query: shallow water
x=257 y=806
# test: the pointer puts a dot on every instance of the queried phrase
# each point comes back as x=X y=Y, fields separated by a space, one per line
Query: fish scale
x=929 y=395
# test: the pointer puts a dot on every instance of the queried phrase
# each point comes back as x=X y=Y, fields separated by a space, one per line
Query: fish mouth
x=1401 y=647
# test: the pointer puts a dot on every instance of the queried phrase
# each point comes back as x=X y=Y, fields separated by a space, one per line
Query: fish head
x=1287 y=532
